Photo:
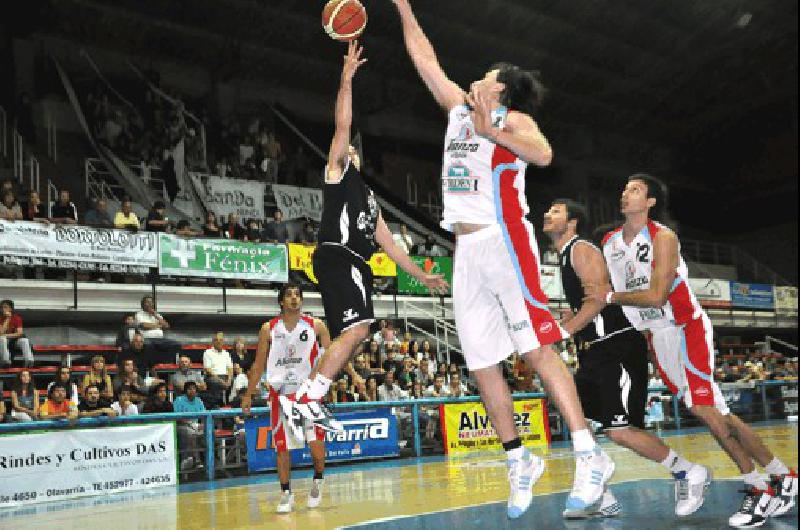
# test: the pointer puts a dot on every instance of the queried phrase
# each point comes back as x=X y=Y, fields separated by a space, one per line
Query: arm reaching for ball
x=337 y=156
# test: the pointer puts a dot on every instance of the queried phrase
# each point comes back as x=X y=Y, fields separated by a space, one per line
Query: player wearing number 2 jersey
x=650 y=281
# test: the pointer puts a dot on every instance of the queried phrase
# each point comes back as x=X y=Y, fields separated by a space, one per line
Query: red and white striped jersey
x=631 y=269
x=292 y=354
x=482 y=182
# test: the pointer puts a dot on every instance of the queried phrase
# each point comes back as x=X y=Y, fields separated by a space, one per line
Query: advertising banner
x=407 y=284
x=225 y=196
x=711 y=292
x=222 y=258
x=752 y=295
x=367 y=434
x=65 y=464
x=466 y=426
x=296 y=202
x=786 y=300
x=300 y=259
x=69 y=246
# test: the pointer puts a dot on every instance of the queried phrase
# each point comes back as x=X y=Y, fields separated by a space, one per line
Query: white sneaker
x=785 y=487
x=593 y=470
x=609 y=507
x=315 y=493
x=690 y=489
x=287 y=502
x=320 y=414
x=756 y=507
x=522 y=475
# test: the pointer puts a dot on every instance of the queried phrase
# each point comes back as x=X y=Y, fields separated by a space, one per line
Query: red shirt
x=13 y=325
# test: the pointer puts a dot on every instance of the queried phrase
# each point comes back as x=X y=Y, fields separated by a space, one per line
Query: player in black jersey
x=352 y=229
x=612 y=373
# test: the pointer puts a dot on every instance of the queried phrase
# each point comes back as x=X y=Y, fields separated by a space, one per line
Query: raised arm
x=447 y=93
x=337 y=156
x=590 y=267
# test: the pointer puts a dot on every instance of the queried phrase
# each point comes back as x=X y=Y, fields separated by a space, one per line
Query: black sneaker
x=756 y=507
x=320 y=414
x=785 y=487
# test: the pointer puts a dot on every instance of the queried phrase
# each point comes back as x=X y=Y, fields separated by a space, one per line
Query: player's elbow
x=660 y=298
x=542 y=157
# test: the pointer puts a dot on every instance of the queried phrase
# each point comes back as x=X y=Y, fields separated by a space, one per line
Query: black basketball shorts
x=345 y=283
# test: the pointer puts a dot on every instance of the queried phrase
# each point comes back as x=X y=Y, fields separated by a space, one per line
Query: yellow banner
x=467 y=427
x=300 y=259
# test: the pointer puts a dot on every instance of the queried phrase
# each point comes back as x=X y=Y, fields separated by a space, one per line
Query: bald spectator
x=218 y=367
x=186 y=374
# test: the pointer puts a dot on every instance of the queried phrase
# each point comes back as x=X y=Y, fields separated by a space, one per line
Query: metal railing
x=51 y=128
x=443 y=329
x=101 y=183
x=19 y=155
x=769 y=341
x=52 y=197
x=33 y=173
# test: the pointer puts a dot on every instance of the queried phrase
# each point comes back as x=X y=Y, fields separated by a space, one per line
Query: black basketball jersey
x=350 y=214
x=611 y=319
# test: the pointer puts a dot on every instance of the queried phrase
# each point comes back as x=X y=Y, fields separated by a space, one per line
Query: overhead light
x=744 y=20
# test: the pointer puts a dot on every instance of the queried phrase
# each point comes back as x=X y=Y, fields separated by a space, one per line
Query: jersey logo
x=643 y=253
x=497 y=121
x=458 y=180
x=546 y=327
x=619 y=419
x=349 y=314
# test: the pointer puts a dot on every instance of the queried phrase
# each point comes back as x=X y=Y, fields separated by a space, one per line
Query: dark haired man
x=612 y=374
x=491 y=137
x=92 y=405
x=650 y=281
x=12 y=336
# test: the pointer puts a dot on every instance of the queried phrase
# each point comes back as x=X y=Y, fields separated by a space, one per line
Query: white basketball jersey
x=482 y=182
x=292 y=354
x=631 y=269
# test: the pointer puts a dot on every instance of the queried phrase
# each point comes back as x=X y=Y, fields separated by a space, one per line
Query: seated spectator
x=12 y=336
x=124 y=405
x=98 y=216
x=441 y=370
x=405 y=346
x=360 y=393
x=189 y=431
x=126 y=218
x=57 y=406
x=407 y=375
x=64 y=376
x=238 y=387
x=143 y=354
x=429 y=248
x=456 y=387
x=452 y=369
x=277 y=231
x=417 y=391
x=254 y=231
x=403 y=239
x=372 y=389
x=233 y=228
x=389 y=391
x=438 y=388
x=98 y=376
x=128 y=376
x=184 y=230
x=126 y=332
x=308 y=236
x=153 y=326
x=10 y=209
x=360 y=367
x=373 y=357
x=424 y=374
x=2 y=405
x=24 y=398
x=393 y=358
x=158 y=402
x=218 y=368
x=92 y=405
x=64 y=211
x=428 y=352
x=185 y=374
x=210 y=228
x=343 y=395
x=157 y=220
x=32 y=210
x=242 y=355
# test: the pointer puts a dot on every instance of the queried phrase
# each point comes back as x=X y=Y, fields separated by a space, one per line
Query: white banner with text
x=296 y=203
x=225 y=196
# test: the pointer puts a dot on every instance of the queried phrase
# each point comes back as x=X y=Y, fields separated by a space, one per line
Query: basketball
x=344 y=20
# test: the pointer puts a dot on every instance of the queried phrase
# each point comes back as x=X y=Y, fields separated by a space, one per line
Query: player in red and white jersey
x=287 y=345
x=498 y=300
x=650 y=282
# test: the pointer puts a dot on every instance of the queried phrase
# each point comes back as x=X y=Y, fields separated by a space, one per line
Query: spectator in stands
x=389 y=391
x=98 y=216
x=12 y=336
x=452 y=369
x=441 y=370
x=456 y=387
x=372 y=389
x=405 y=345
x=189 y=431
x=242 y=355
x=360 y=391
x=98 y=376
x=428 y=351
x=157 y=220
x=92 y=405
x=24 y=398
x=218 y=367
x=10 y=209
x=391 y=362
x=429 y=248
x=184 y=230
x=128 y=376
x=406 y=376
x=253 y=232
x=424 y=374
x=124 y=405
x=309 y=235
x=343 y=394
x=417 y=391
x=153 y=326
x=64 y=376
x=185 y=374
x=233 y=228
x=64 y=211
x=210 y=228
x=125 y=218
x=238 y=387
x=277 y=231
x=2 y=405
x=438 y=388
x=57 y=406
x=32 y=210
x=126 y=332
x=374 y=355
x=360 y=367
x=403 y=239
x=142 y=353
x=414 y=351
x=158 y=402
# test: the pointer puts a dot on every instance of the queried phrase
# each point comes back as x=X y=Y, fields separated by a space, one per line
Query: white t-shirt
x=431 y=391
x=143 y=317
x=396 y=393
x=240 y=382
x=217 y=362
x=130 y=411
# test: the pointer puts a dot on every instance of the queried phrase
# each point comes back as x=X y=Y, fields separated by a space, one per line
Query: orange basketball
x=344 y=20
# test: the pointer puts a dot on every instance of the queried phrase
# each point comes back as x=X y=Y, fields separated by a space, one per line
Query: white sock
x=516 y=453
x=776 y=467
x=754 y=478
x=675 y=463
x=317 y=388
x=582 y=441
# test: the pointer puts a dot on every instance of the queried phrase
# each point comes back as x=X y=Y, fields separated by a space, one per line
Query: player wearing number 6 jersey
x=650 y=281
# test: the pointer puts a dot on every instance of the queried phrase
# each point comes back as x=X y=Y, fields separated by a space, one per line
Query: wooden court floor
x=389 y=490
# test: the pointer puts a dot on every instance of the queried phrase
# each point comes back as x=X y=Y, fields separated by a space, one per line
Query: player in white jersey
x=650 y=282
x=498 y=300
x=288 y=346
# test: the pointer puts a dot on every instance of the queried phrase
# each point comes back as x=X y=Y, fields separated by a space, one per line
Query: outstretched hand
x=435 y=283
x=352 y=60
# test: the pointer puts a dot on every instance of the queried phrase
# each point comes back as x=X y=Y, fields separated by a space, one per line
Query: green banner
x=407 y=284
x=222 y=258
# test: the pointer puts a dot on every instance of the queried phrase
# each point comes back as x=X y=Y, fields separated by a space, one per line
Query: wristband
x=609 y=294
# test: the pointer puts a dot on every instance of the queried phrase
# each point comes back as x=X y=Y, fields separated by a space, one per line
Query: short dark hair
x=187 y=385
x=7 y=302
x=145 y=297
x=183 y=223
x=54 y=386
x=577 y=211
x=657 y=190
x=90 y=385
x=285 y=288
x=154 y=390
x=157 y=205
x=524 y=90
x=124 y=388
